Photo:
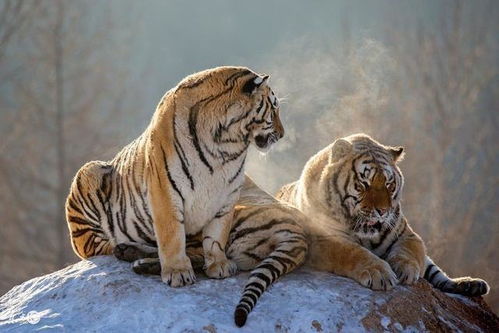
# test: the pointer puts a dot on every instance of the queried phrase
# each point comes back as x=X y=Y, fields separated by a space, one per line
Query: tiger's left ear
x=253 y=84
x=397 y=153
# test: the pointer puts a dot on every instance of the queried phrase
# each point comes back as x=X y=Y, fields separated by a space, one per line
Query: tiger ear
x=253 y=84
x=340 y=149
x=398 y=153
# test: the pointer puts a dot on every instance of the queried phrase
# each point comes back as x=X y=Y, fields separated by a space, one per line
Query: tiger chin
x=182 y=176
x=351 y=192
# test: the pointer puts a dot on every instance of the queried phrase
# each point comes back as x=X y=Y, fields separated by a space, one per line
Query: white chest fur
x=209 y=193
x=206 y=201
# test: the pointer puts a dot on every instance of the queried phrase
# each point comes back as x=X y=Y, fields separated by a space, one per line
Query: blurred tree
x=61 y=107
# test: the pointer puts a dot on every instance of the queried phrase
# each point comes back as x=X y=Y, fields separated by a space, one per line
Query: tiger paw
x=221 y=269
x=178 y=276
x=469 y=287
x=407 y=270
x=377 y=275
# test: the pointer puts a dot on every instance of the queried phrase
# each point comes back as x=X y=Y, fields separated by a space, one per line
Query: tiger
x=266 y=237
x=181 y=176
x=351 y=193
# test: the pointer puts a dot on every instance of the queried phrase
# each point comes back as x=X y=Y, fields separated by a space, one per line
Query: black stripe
x=241 y=167
x=80 y=221
x=252 y=255
x=178 y=148
x=81 y=232
x=272 y=269
x=172 y=182
x=258 y=286
x=433 y=274
x=237 y=75
x=250 y=230
x=262 y=277
x=229 y=157
x=428 y=270
x=250 y=295
x=382 y=238
x=196 y=83
x=293 y=252
x=241 y=220
x=73 y=206
x=334 y=183
x=82 y=201
x=243 y=304
x=192 y=122
x=184 y=168
x=284 y=262
x=260 y=242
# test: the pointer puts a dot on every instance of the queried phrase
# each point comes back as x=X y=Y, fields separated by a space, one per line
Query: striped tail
x=466 y=286
x=286 y=257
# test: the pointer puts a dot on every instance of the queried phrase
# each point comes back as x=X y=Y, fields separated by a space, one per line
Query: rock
x=103 y=294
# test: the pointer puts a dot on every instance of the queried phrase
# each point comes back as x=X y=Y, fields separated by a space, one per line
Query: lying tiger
x=351 y=191
x=267 y=237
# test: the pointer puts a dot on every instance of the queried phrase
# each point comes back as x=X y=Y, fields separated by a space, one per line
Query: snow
x=385 y=321
x=103 y=294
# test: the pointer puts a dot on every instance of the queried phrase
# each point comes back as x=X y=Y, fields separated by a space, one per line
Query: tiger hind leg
x=84 y=211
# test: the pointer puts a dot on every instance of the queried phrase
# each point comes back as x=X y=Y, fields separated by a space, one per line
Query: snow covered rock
x=104 y=294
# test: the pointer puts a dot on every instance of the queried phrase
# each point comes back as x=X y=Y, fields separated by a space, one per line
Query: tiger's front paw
x=407 y=270
x=221 y=269
x=376 y=275
x=179 y=275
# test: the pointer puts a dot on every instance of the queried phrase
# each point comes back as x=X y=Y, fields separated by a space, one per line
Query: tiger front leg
x=407 y=257
x=344 y=257
x=215 y=236
x=176 y=268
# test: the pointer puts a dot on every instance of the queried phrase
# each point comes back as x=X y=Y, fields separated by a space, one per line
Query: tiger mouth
x=265 y=141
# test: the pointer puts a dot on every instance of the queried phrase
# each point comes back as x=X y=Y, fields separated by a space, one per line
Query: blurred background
x=80 y=79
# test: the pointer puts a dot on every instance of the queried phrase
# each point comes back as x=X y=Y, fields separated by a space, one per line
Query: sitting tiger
x=181 y=177
x=351 y=191
x=266 y=237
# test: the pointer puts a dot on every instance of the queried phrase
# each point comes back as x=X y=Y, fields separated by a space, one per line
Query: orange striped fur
x=351 y=192
x=182 y=176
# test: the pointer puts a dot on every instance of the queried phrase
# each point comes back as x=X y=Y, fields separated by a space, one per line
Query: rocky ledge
x=103 y=294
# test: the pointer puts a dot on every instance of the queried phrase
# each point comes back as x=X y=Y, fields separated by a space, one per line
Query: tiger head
x=264 y=126
x=367 y=183
x=238 y=105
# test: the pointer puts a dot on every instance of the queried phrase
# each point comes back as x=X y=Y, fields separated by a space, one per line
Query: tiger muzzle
x=263 y=141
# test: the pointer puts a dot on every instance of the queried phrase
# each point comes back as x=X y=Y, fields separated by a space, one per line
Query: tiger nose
x=280 y=134
x=381 y=211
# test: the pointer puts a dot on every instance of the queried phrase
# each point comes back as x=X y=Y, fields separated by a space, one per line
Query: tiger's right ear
x=340 y=149
x=254 y=83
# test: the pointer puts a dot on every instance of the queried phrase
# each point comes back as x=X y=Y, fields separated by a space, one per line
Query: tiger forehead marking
x=372 y=171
